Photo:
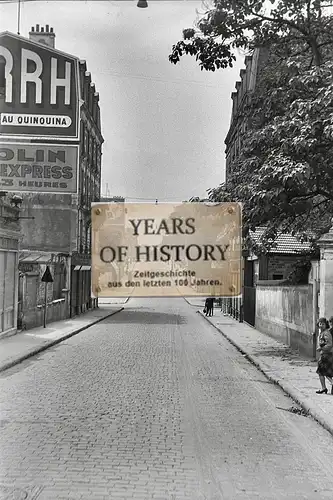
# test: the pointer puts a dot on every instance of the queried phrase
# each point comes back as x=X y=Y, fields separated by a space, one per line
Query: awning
x=35 y=257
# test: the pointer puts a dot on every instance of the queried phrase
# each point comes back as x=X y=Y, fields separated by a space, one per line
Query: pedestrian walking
x=325 y=348
x=206 y=308
x=209 y=306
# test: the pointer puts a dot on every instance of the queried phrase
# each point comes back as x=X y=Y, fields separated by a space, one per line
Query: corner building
x=50 y=155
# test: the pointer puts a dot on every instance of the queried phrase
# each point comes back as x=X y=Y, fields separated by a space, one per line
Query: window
x=277 y=276
x=88 y=240
x=82 y=137
x=82 y=185
x=81 y=234
x=85 y=140
x=90 y=148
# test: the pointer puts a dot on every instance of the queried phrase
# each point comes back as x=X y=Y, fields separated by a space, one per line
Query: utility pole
x=18 y=16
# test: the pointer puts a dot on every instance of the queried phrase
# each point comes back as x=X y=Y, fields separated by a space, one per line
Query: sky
x=164 y=125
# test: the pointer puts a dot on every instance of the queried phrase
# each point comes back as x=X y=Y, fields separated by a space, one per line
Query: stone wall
x=32 y=291
x=280 y=265
x=56 y=311
x=286 y=313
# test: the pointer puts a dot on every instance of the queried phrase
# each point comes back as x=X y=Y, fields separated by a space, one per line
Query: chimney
x=41 y=35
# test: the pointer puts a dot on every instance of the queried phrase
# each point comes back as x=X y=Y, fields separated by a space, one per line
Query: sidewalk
x=295 y=374
x=25 y=344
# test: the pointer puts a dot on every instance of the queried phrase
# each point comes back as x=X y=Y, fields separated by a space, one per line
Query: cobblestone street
x=153 y=403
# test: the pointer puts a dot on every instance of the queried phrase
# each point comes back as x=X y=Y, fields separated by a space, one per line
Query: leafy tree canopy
x=283 y=175
x=232 y=24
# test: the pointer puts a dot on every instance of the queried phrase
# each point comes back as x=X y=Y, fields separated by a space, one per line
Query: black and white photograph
x=166 y=249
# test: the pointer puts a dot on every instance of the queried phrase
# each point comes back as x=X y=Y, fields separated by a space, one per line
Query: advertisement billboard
x=38 y=168
x=166 y=250
x=39 y=90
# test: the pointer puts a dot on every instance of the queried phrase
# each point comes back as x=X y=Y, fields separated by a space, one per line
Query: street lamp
x=142 y=4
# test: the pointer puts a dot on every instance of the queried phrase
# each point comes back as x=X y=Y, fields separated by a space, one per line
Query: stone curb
x=123 y=298
x=189 y=303
x=52 y=343
x=320 y=416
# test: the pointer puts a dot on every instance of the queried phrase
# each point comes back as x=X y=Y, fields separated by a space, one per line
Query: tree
x=234 y=24
x=283 y=175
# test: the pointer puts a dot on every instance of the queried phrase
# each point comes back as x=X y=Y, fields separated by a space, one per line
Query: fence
x=232 y=306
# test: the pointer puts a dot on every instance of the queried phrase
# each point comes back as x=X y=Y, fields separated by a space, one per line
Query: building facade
x=50 y=150
x=9 y=254
x=241 y=97
x=89 y=190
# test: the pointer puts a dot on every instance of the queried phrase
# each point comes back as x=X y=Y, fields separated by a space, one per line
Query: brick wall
x=280 y=265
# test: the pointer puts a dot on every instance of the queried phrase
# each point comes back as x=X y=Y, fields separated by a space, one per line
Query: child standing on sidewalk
x=325 y=362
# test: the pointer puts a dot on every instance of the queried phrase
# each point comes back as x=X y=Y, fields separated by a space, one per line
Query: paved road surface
x=154 y=403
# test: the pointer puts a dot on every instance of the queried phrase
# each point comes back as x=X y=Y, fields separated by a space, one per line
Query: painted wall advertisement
x=39 y=88
x=38 y=167
x=166 y=250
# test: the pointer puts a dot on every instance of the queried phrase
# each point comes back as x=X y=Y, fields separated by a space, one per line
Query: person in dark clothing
x=325 y=362
x=209 y=306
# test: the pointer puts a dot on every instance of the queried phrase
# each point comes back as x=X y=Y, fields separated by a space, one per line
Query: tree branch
x=305 y=197
x=308 y=12
x=281 y=21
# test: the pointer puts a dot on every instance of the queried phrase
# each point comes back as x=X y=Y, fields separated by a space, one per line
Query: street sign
x=47 y=276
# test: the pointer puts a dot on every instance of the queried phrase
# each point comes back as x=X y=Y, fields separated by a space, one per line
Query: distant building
x=51 y=139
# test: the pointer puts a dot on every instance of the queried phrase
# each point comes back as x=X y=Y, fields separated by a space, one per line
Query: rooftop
x=284 y=243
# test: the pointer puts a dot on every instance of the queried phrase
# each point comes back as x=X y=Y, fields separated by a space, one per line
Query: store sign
x=166 y=250
x=35 y=120
x=38 y=168
x=40 y=88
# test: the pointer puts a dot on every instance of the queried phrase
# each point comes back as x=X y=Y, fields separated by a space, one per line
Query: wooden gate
x=249 y=305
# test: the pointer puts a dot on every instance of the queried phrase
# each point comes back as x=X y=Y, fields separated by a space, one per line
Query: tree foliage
x=283 y=175
x=232 y=24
